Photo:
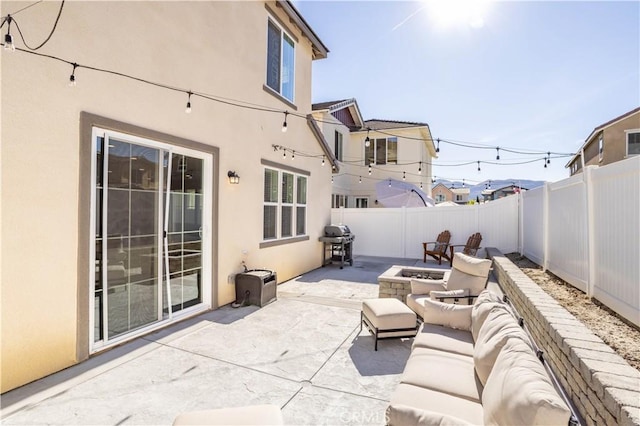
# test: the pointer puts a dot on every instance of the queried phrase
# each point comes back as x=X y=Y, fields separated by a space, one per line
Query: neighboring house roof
x=442 y=186
x=597 y=130
x=377 y=124
x=320 y=51
x=461 y=191
x=345 y=110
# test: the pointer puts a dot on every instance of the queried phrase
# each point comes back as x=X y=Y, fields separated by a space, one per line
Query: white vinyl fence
x=584 y=229
x=400 y=232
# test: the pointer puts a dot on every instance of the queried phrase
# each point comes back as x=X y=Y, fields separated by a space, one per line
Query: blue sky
x=531 y=75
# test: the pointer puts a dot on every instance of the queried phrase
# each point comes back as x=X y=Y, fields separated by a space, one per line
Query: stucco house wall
x=218 y=48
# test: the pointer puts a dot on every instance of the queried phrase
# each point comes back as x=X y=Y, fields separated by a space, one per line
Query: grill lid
x=336 y=230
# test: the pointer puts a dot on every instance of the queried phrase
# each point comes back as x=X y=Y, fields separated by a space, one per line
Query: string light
x=389 y=183
x=188 y=109
x=367 y=141
x=332 y=180
x=360 y=179
x=9 y=46
x=72 y=77
x=497 y=153
x=438 y=146
x=545 y=162
x=284 y=154
x=323 y=160
x=420 y=168
x=404 y=176
x=293 y=155
x=478 y=167
x=369 y=169
x=548 y=158
x=463 y=184
x=284 y=125
x=420 y=185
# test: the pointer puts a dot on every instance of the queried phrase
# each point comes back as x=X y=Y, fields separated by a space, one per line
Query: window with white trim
x=633 y=142
x=362 y=202
x=280 y=60
x=339 y=200
x=285 y=204
x=600 y=147
x=338 y=145
x=381 y=151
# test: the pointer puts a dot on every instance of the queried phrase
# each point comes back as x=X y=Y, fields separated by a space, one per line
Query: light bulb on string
x=284 y=153
x=360 y=179
x=188 y=108
x=389 y=183
x=323 y=160
x=332 y=180
x=420 y=185
x=478 y=167
x=420 y=168
x=72 y=77
x=369 y=169
x=293 y=155
x=367 y=141
x=545 y=162
x=438 y=146
x=463 y=184
x=548 y=158
x=404 y=176
x=9 y=46
x=497 y=153
x=284 y=124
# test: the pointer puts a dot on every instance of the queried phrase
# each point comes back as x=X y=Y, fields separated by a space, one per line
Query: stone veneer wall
x=602 y=385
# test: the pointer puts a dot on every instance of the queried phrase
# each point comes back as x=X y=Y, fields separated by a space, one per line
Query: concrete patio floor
x=303 y=353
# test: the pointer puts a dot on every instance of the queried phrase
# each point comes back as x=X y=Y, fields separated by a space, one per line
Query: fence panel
x=498 y=224
x=533 y=209
x=379 y=232
x=616 y=212
x=567 y=246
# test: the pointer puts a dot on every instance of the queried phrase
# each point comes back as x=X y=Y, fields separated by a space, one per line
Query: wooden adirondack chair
x=438 y=250
x=471 y=248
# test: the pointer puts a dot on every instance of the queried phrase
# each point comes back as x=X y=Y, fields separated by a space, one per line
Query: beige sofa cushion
x=519 y=391
x=388 y=314
x=485 y=302
x=445 y=372
x=471 y=265
x=422 y=286
x=415 y=302
x=447 y=314
x=444 y=339
x=250 y=415
x=430 y=400
x=402 y=415
x=499 y=327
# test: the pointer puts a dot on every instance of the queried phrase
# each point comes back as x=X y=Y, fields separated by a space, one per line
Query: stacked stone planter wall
x=603 y=386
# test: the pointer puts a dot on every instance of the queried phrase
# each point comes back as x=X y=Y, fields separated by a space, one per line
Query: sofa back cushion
x=519 y=391
x=499 y=327
x=447 y=314
x=486 y=301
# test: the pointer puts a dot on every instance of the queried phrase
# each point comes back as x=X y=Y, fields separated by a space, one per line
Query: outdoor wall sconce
x=233 y=177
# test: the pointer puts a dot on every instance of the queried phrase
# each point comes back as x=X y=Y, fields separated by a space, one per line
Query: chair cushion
x=447 y=314
x=485 y=302
x=499 y=327
x=444 y=339
x=399 y=414
x=415 y=303
x=441 y=371
x=471 y=265
x=519 y=391
x=422 y=286
x=427 y=399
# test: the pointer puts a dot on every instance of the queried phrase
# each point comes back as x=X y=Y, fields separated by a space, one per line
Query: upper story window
x=285 y=204
x=600 y=148
x=338 y=145
x=280 y=61
x=440 y=197
x=633 y=142
x=381 y=151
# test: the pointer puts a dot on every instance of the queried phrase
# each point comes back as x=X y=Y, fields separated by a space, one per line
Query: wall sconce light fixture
x=233 y=177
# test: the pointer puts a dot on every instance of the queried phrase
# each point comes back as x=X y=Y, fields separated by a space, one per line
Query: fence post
x=590 y=225
x=520 y=213
x=545 y=227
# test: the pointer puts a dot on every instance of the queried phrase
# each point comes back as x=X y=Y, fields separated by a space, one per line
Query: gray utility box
x=256 y=287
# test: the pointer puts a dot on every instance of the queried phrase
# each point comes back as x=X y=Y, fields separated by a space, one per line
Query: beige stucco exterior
x=218 y=48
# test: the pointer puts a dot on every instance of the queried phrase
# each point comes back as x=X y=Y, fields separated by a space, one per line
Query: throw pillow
x=449 y=315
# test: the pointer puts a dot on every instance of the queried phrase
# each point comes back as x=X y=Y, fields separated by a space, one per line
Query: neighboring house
x=369 y=151
x=490 y=195
x=612 y=141
x=109 y=185
x=441 y=193
x=461 y=195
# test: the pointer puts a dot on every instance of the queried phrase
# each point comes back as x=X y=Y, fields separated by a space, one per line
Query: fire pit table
x=395 y=282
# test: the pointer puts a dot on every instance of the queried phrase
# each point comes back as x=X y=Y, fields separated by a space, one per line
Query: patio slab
x=302 y=352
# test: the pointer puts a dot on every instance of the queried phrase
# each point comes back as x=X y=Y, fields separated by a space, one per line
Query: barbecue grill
x=338 y=242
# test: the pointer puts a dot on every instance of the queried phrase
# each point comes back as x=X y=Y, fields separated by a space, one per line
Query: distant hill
x=476 y=190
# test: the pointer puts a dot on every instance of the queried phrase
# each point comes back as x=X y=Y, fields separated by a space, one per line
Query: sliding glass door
x=150 y=245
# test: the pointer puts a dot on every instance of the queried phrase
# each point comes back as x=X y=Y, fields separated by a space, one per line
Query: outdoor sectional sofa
x=474 y=364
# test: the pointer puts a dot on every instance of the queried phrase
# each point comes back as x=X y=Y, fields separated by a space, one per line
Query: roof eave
x=320 y=51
